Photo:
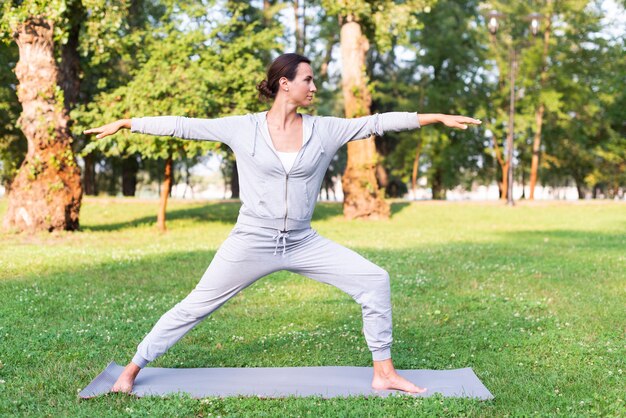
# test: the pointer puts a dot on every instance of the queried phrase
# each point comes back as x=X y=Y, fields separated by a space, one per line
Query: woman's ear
x=283 y=83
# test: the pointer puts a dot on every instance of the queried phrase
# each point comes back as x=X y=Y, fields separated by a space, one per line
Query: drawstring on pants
x=284 y=235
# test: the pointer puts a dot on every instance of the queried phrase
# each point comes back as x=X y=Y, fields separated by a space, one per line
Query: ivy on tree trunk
x=362 y=197
x=46 y=193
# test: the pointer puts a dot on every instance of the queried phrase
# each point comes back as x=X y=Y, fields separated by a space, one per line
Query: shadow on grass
x=223 y=212
x=568 y=238
x=397 y=207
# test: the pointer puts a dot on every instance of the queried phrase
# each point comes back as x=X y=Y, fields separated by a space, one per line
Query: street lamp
x=493 y=23
x=534 y=19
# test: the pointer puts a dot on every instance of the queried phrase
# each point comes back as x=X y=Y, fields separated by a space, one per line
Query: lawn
x=531 y=297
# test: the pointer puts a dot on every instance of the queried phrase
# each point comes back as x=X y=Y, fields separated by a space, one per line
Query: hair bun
x=264 y=90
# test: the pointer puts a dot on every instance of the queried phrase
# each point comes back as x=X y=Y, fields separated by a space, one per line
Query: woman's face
x=301 y=90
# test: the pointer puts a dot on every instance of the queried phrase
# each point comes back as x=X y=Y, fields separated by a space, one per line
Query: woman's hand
x=109 y=129
x=456 y=121
x=453 y=121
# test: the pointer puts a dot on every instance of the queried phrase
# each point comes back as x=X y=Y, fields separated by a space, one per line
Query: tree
x=46 y=192
x=548 y=12
x=441 y=70
x=585 y=126
x=382 y=20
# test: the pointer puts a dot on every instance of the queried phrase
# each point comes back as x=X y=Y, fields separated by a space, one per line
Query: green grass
x=531 y=297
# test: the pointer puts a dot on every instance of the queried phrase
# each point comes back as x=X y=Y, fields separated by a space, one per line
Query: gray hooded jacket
x=270 y=196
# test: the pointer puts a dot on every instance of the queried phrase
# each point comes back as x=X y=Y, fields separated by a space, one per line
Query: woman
x=281 y=160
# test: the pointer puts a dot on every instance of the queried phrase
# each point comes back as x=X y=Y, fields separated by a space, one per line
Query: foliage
x=12 y=141
x=191 y=73
x=444 y=75
x=203 y=59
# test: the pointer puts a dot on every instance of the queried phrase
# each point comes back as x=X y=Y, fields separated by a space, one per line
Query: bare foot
x=126 y=380
x=386 y=378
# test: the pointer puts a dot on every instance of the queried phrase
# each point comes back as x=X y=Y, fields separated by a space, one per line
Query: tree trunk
x=504 y=186
x=382 y=177
x=504 y=166
x=580 y=189
x=416 y=168
x=439 y=192
x=234 y=182
x=69 y=67
x=297 y=30
x=534 y=166
x=89 y=175
x=362 y=198
x=46 y=193
x=130 y=168
x=165 y=192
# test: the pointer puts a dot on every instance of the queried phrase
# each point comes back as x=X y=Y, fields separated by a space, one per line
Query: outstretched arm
x=219 y=129
x=346 y=130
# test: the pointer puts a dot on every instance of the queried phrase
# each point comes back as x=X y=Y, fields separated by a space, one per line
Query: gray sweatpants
x=251 y=252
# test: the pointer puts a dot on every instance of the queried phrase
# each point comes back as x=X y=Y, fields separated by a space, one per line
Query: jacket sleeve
x=345 y=130
x=220 y=129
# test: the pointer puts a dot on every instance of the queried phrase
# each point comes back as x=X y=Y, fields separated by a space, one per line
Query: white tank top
x=287 y=158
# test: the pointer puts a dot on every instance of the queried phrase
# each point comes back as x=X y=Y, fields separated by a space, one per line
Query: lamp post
x=493 y=23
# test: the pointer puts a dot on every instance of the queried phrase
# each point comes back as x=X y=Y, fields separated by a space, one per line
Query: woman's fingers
x=466 y=119
x=102 y=131
x=93 y=131
x=461 y=122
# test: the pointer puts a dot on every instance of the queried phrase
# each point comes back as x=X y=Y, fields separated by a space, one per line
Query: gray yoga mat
x=279 y=382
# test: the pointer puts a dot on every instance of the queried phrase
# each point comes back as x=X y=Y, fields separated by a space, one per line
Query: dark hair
x=285 y=65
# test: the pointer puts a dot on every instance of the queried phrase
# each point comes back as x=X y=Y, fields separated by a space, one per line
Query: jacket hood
x=260 y=121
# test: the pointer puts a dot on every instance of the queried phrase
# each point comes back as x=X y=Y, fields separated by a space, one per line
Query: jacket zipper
x=286 y=209
x=287 y=174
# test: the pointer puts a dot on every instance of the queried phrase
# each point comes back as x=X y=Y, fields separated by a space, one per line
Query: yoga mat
x=279 y=382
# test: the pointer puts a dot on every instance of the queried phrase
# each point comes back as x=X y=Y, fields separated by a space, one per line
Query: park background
x=530 y=295
x=563 y=62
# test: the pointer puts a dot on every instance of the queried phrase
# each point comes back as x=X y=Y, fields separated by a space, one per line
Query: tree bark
x=362 y=198
x=534 y=166
x=165 y=192
x=504 y=185
x=46 y=193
